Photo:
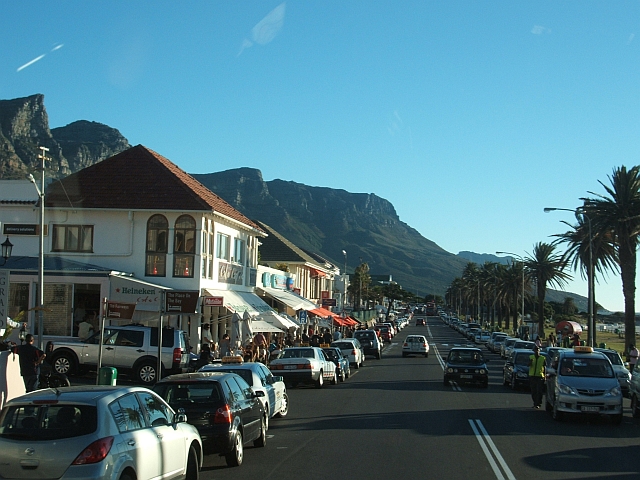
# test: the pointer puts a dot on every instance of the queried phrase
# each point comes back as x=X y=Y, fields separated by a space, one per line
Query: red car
x=385 y=334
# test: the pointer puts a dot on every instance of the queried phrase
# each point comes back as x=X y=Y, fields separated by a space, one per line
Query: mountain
x=24 y=126
x=328 y=221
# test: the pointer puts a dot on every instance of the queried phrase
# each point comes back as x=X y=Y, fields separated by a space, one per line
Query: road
x=395 y=418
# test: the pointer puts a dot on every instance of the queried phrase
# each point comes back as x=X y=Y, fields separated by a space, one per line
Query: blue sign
x=302 y=316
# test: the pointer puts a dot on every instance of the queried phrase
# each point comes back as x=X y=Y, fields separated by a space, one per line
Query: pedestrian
x=225 y=346
x=538 y=342
x=576 y=340
x=326 y=337
x=260 y=344
x=206 y=336
x=30 y=359
x=85 y=329
x=633 y=357
x=536 y=376
x=551 y=341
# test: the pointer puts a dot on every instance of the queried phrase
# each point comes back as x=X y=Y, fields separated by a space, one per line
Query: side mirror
x=181 y=416
x=277 y=378
x=258 y=393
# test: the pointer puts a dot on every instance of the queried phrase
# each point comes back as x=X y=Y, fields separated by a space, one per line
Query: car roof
x=253 y=366
x=82 y=394
x=197 y=377
x=464 y=349
x=570 y=353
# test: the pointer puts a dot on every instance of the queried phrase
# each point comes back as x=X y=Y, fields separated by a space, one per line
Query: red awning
x=339 y=321
x=317 y=273
x=322 y=312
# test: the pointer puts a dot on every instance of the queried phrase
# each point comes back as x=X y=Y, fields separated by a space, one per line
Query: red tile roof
x=138 y=179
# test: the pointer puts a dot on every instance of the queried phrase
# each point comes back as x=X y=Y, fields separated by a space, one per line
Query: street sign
x=213 y=301
x=302 y=316
x=181 y=301
x=120 y=310
x=329 y=302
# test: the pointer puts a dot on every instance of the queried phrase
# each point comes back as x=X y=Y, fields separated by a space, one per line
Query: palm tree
x=618 y=213
x=546 y=267
x=603 y=255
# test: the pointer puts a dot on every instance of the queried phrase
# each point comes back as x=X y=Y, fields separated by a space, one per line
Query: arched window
x=184 y=246
x=157 y=246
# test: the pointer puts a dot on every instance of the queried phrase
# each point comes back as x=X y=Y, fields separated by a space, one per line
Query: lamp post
x=344 y=283
x=521 y=260
x=590 y=306
x=7 y=246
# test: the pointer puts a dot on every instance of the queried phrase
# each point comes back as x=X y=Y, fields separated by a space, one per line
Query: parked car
x=582 y=381
x=415 y=345
x=493 y=344
x=343 y=370
x=222 y=406
x=369 y=341
x=515 y=372
x=130 y=348
x=466 y=365
x=275 y=399
x=482 y=337
x=305 y=365
x=619 y=367
x=508 y=343
x=518 y=344
x=99 y=432
x=385 y=332
x=352 y=349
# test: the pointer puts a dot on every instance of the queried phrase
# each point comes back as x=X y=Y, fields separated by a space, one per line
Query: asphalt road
x=394 y=419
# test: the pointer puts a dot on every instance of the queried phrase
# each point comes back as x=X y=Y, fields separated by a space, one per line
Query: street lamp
x=590 y=307
x=7 y=246
x=522 y=260
x=344 y=283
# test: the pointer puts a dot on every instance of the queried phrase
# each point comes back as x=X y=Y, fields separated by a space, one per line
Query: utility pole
x=42 y=157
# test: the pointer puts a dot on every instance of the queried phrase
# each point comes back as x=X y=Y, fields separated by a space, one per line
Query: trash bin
x=602 y=345
x=107 y=376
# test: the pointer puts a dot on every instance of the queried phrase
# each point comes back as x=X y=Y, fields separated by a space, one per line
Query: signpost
x=302 y=316
x=120 y=310
x=329 y=302
x=181 y=301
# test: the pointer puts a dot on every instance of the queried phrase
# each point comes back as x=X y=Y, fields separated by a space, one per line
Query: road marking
x=438 y=356
x=486 y=443
x=455 y=387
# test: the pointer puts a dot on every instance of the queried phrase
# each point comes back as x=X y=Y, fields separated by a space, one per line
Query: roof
x=276 y=248
x=53 y=264
x=138 y=179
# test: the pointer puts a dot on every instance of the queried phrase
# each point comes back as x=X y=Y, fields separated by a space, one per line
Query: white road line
x=439 y=357
x=455 y=387
x=485 y=443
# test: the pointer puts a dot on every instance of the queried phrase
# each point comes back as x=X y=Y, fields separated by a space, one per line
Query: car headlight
x=614 y=392
x=565 y=389
x=624 y=376
x=449 y=370
x=483 y=371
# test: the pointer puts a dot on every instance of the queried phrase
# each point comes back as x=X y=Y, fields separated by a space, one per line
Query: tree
x=392 y=291
x=569 y=306
x=547 y=268
x=618 y=213
x=359 y=284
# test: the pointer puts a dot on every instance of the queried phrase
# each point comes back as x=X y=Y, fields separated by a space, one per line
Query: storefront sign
x=181 y=301
x=228 y=273
x=145 y=296
x=329 y=302
x=213 y=301
x=119 y=310
x=22 y=229
x=4 y=297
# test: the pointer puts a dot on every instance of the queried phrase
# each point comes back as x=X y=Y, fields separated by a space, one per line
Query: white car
x=100 y=432
x=482 y=337
x=352 y=349
x=260 y=379
x=415 y=345
x=305 y=365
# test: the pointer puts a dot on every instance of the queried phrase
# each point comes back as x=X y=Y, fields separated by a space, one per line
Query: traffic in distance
x=340 y=400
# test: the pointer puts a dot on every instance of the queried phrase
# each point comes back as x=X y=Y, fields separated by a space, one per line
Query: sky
x=469 y=117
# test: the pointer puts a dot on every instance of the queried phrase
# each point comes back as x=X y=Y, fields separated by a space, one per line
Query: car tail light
x=94 y=453
x=177 y=355
x=307 y=366
x=223 y=415
x=276 y=367
x=406 y=345
x=353 y=352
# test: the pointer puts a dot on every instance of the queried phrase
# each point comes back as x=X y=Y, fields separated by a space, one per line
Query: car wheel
x=147 y=373
x=357 y=365
x=446 y=382
x=284 y=406
x=343 y=376
x=547 y=406
x=126 y=476
x=426 y=355
x=635 y=408
x=514 y=385
x=505 y=382
x=320 y=380
x=64 y=363
x=267 y=412
x=334 y=380
x=236 y=455
x=348 y=371
x=557 y=415
x=378 y=355
x=193 y=469
x=261 y=441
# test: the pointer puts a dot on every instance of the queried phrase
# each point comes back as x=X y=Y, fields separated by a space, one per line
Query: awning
x=340 y=322
x=240 y=302
x=147 y=296
x=317 y=273
x=262 y=326
x=322 y=312
x=289 y=298
x=276 y=320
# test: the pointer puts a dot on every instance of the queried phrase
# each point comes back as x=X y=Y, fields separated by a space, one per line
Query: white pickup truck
x=305 y=365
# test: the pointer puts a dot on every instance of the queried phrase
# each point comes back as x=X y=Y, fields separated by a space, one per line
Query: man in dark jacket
x=30 y=359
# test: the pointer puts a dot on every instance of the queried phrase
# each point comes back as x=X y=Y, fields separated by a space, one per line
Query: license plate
x=290 y=367
x=590 y=409
x=466 y=376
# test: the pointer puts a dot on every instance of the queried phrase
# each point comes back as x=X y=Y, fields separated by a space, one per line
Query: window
x=157 y=235
x=127 y=413
x=184 y=246
x=238 y=251
x=158 y=413
x=207 y=250
x=223 y=246
x=72 y=238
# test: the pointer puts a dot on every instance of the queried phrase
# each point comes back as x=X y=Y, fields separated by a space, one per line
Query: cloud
x=57 y=47
x=266 y=29
x=539 y=30
x=37 y=59
x=630 y=39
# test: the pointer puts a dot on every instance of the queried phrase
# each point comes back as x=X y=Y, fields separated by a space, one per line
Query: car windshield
x=586 y=367
x=365 y=335
x=614 y=357
x=245 y=373
x=471 y=357
x=48 y=422
x=331 y=354
x=343 y=346
x=298 y=353
x=182 y=394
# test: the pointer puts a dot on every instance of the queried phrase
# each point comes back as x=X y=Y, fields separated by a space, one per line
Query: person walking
x=225 y=346
x=633 y=357
x=536 y=376
x=30 y=359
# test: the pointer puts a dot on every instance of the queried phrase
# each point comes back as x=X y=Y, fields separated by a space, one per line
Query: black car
x=515 y=372
x=222 y=406
x=466 y=365
x=343 y=371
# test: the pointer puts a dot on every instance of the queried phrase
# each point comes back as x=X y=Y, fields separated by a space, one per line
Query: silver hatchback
x=99 y=432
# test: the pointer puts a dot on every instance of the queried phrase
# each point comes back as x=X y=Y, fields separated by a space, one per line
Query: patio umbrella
x=236 y=331
x=247 y=332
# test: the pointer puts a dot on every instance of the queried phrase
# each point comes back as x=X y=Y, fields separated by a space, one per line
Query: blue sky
x=470 y=117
